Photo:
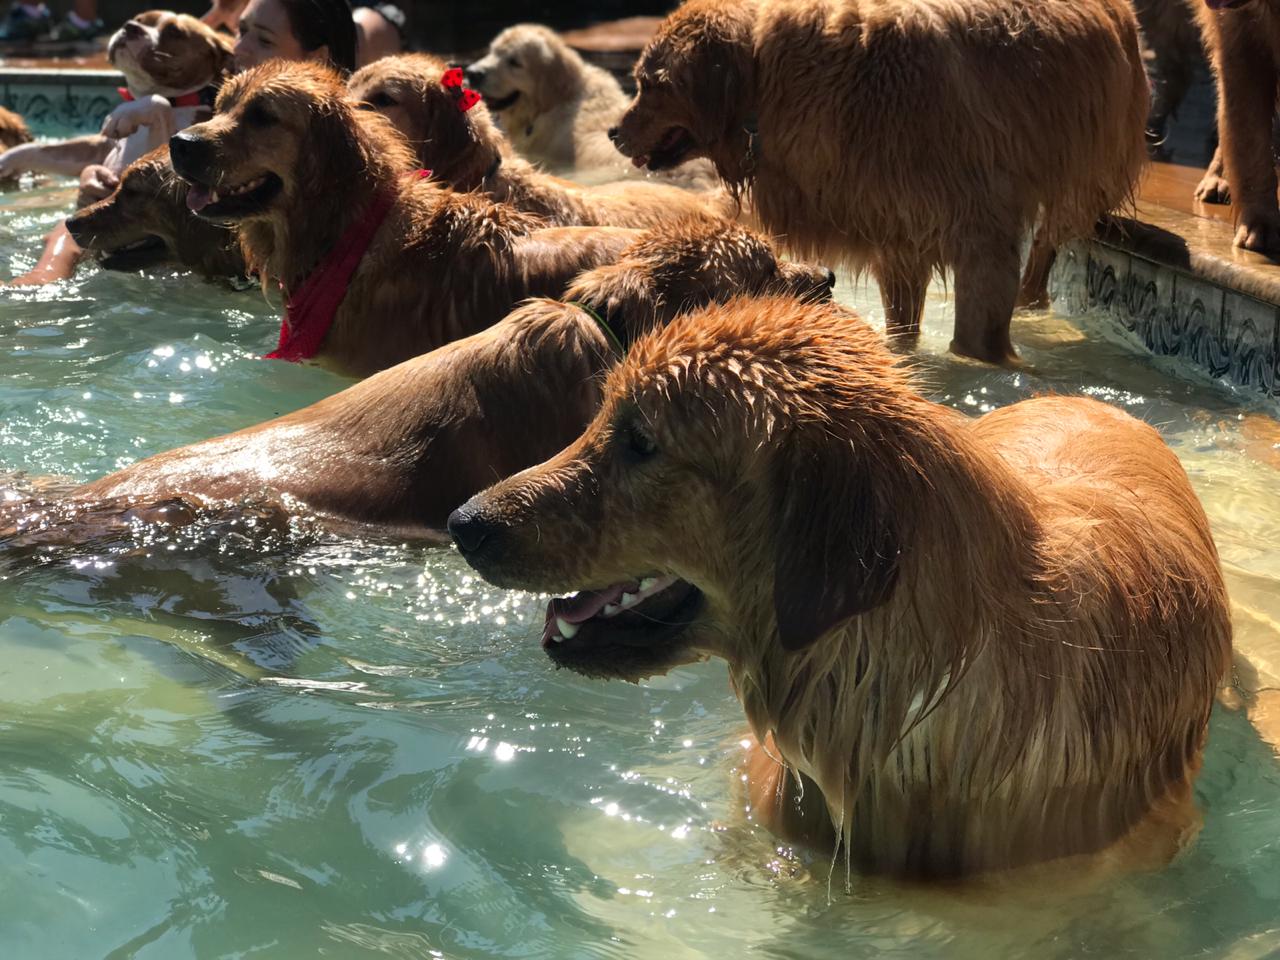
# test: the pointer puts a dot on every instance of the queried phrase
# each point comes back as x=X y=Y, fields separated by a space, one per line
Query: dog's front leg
x=1247 y=102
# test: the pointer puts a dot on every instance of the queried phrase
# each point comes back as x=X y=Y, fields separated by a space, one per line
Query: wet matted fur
x=401 y=449
x=468 y=152
x=1243 y=39
x=905 y=136
x=557 y=109
x=987 y=642
x=151 y=202
x=293 y=164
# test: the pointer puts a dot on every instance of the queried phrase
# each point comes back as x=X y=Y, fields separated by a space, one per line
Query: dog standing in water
x=906 y=136
x=983 y=644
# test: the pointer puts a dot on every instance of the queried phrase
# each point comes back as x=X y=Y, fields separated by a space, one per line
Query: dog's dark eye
x=379 y=101
x=640 y=442
x=256 y=115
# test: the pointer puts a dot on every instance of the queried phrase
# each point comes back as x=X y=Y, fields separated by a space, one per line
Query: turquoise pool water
x=357 y=749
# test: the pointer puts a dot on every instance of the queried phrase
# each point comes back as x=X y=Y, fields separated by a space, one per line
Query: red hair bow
x=452 y=80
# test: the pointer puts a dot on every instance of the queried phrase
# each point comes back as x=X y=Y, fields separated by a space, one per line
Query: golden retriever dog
x=556 y=108
x=171 y=64
x=984 y=642
x=403 y=448
x=319 y=190
x=151 y=204
x=1243 y=37
x=465 y=150
x=906 y=136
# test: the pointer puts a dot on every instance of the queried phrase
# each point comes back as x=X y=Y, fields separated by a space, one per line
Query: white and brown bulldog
x=172 y=64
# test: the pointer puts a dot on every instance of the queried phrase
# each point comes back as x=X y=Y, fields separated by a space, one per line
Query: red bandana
x=192 y=99
x=309 y=310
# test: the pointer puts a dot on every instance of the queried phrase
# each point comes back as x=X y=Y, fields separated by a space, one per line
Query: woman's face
x=266 y=34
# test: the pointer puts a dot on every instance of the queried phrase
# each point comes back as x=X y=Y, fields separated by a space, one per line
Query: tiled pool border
x=1228 y=334
x=61 y=99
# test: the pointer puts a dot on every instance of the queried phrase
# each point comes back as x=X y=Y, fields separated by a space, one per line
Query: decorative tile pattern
x=60 y=103
x=1229 y=335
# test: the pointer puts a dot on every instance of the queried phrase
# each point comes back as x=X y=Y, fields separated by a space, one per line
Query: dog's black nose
x=187 y=153
x=469 y=528
x=831 y=279
x=473 y=76
x=132 y=28
x=613 y=135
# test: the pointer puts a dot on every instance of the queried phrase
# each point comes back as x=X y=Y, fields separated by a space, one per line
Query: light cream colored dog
x=557 y=109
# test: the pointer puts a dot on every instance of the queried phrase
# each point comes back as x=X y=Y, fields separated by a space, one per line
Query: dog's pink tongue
x=640 y=161
x=588 y=603
x=198 y=197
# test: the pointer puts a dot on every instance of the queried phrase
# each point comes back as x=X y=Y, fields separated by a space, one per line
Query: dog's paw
x=1213 y=188
x=1259 y=230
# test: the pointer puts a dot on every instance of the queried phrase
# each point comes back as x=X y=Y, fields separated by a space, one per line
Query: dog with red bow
x=172 y=65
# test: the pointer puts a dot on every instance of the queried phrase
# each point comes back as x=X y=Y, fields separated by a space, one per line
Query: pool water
x=357 y=749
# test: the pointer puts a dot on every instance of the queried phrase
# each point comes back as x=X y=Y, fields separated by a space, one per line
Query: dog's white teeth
x=213 y=196
x=556 y=639
x=610 y=609
x=628 y=599
x=567 y=629
x=647 y=584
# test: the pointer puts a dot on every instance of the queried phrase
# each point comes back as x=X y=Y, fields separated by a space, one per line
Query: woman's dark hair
x=324 y=23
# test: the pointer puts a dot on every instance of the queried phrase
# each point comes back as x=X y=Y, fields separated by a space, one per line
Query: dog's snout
x=473 y=76
x=132 y=28
x=469 y=528
x=613 y=135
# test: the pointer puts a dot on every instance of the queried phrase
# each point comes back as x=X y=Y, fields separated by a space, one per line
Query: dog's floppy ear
x=836 y=542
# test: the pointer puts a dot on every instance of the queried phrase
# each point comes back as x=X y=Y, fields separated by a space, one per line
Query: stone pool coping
x=1170 y=276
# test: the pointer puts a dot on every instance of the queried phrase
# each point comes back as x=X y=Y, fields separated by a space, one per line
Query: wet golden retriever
x=467 y=151
x=400 y=450
x=905 y=136
x=985 y=642
x=297 y=168
x=557 y=109
x=1243 y=38
x=151 y=204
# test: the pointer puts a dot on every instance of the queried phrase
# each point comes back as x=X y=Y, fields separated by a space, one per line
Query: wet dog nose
x=613 y=135
x=132 y=28
x=469 y=528
x=186 y=153
x=473 y=76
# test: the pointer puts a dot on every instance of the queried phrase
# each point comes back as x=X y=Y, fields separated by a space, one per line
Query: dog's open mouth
x=670 y=150
x=630 y=630
x=502 y=103
x=233 y=202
